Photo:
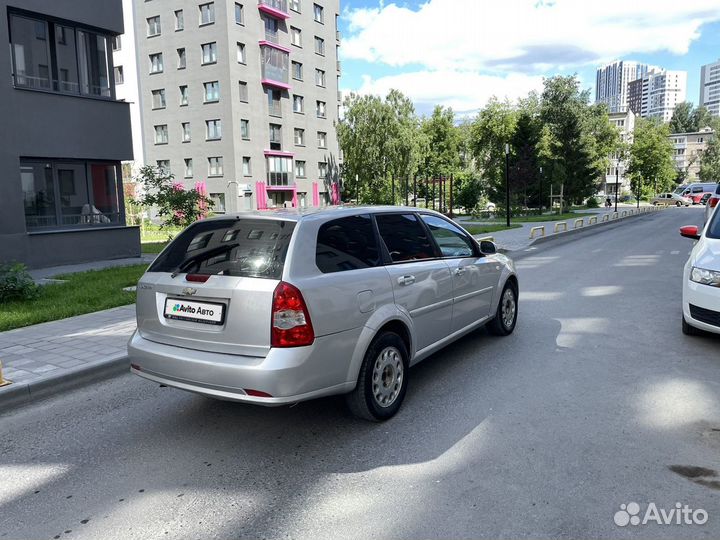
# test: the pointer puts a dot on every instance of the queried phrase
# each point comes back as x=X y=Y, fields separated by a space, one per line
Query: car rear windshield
x=229 y=247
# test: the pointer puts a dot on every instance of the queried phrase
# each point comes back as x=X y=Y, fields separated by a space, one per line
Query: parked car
x=701 y=279
x=278 y=307
x=704 y=199
x=695 y=191
x=712 y=203
x=670 y=199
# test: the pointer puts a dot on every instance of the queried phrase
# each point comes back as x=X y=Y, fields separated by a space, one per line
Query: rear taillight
x=291 y=325
x=713 y=202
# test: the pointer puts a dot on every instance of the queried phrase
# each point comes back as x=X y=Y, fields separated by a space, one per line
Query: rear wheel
x=678 y=204
x=688 y=329
x=507 y=311
x=382 y=382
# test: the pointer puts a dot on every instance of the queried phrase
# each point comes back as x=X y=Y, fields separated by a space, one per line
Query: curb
x=18 y=394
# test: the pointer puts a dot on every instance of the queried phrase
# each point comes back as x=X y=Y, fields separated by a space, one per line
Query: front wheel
x=678 y=204
x=505 y=318
x=382 y=382
x=688 y=329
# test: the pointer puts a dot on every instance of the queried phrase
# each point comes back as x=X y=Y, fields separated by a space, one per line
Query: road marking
x=675 y=253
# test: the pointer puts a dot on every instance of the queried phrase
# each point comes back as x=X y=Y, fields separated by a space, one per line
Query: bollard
x=580 y=221
x=606 y=217
x=539 y=229
x=592 y=220
x=614 y=215
x=559 y=224
x=624 y=213
x=3 y=382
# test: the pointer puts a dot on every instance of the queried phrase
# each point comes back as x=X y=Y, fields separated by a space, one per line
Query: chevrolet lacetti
x=274 y=308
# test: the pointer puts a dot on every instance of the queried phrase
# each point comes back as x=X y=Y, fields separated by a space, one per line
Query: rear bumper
x=707 y=299
x=288 y=375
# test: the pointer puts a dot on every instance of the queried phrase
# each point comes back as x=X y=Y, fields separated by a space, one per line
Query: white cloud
x=523 y=35
x=464 y=91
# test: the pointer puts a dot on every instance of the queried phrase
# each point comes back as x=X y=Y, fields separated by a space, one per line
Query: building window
x=297 y=71
x=320 y=77
x=215 y=166
x=61 y=194
x=239 y=14
x=274 y=106
x=295 y=36
x=320 y=109
x=179 y=20
x=183 y=95
x=275 y=137
x=153 y=26
x=245 y=129
x=59 y=58
x=295 y=5
x=188 y=168
x=161 y=134
x=322 y=170
x=212 y=91
x=116 y=43
x=243 y=91
x=163 y=166
x=119 y=77
x=300 y=169
x=185 y=131
x=322 y=139
x=241 y=53
x=279 y=171
x=299 y=137
x=246 y=166
x=319 y=46
x=156 y=63
x=298 y=104
x=182 y=58
x=158 y=99
x=214 y=130
x=207 y=13
x=318 y=14
x=209 y=53
x=218 y=200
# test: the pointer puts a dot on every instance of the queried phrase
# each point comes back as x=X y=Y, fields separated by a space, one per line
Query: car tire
x=678 y=204
x=690 y=330
x=505 y=318
x=382 y=381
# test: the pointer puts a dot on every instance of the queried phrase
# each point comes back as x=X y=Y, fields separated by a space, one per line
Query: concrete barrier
x=580 y=221
x=559 y=224
x=606 y=217
x=614 y=215
x=592 y=220
x=624 y=213
x=539 y=229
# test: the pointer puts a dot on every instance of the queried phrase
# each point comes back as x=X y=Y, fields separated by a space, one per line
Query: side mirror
x=487 y=247
x=690 y=231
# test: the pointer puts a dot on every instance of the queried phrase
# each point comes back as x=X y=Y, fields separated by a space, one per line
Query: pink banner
x=315 y=194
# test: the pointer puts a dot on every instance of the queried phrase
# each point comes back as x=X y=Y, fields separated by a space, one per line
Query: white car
x=701 y=279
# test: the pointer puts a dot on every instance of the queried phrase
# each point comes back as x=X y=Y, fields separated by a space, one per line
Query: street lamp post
x=507 y=184
x=541 y=195
x=617 y=183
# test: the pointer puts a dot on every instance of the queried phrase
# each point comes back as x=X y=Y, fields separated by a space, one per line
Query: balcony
x=274 y=8
x=272 y=36
x=337 y=35
x=338 y=66
x=339 y=96
x=275 y=67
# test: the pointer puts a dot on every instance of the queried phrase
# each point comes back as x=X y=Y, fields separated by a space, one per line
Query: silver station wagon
x=274 y=308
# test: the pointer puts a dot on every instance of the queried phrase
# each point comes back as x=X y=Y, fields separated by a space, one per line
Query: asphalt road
x=545 y=433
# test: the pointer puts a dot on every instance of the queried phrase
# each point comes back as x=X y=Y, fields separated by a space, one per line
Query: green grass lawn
x=483 y=229
x=548 y=217
x=152 y=247
x=84 y=292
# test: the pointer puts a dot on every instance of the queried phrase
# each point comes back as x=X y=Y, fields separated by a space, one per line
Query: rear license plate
x=199 y=312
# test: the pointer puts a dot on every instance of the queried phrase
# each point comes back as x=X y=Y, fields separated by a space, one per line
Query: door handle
x=406 y=280
x=459 y=271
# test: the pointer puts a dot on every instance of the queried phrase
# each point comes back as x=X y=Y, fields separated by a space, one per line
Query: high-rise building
x=611 y=84
x=615 y=178
x=710 y=87
x=688 y=149
x=242 y=96
x=64 y=134
x=657 y=93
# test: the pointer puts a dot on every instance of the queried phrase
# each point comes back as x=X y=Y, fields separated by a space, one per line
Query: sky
x=459 y=53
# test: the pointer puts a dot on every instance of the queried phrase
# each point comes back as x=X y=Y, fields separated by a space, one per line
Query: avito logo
x=629 y=514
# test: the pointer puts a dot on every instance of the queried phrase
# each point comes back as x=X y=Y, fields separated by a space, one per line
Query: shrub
x=16 y=283
x=592 y=202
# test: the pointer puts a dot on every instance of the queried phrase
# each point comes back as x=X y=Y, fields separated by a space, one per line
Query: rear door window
x=229 y=247
x=449 y=238
x=405 y=237
x=346 y=244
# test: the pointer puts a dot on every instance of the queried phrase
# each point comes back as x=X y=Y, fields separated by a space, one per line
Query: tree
x=686 y=119
x=710 y=165
x=651 y=162
x=177 y=206
x=443 y=139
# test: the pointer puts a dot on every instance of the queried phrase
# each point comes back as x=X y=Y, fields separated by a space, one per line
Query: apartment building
x=656 y=94
x=710 y=87
x=611 y=84
x=615 y=174
x=243 y=97
x=64 y=134
x=687 y=152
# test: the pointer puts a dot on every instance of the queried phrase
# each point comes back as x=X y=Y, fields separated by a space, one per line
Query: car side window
x=405 y=237
x=449 y=238
x=346 y=244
